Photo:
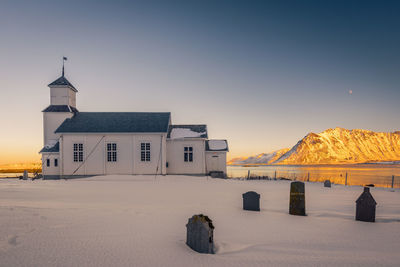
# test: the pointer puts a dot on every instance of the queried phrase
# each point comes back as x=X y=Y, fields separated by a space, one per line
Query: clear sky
x=261 y=74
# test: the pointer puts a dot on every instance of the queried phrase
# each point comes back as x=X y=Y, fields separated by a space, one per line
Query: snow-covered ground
x=140 y=221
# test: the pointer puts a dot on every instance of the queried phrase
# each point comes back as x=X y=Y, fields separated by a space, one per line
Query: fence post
x=275 y=176
x=308 y=177
x=345 y=181
x=392 y=181
x=248 y=174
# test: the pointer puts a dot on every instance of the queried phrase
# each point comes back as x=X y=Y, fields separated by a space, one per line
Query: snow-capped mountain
x=263 y=158
x=338 y=146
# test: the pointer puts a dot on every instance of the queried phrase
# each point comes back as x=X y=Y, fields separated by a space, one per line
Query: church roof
x=60 y=108
x=62 y=81
x=217 y=145
x=116 y=122
x=187 y=131
x=55 y=148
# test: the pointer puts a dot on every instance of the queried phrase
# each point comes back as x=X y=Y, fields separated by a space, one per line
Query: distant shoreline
x=30 y=170
x=392 y=163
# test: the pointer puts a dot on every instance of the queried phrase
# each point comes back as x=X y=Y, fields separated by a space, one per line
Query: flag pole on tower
x=64 y=59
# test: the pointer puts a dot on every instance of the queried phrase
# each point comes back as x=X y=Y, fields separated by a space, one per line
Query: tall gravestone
x=25 y=176
x=297 y=204
x=365 y=207
x=251 y=201
x=327 y=183
x=200 y=234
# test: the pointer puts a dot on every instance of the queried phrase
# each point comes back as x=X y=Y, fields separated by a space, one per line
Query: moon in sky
x=350 y=92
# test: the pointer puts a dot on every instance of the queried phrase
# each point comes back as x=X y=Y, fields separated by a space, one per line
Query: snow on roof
x=51 y=148
x=184 y=133
x=217 y=145
x=187 y=131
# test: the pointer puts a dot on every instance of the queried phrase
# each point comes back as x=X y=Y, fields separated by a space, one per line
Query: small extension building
x=78 y=144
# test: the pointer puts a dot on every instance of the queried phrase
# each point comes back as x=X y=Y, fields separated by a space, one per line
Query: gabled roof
x=60 y=108
x=217 y=145
x=116 y=122
x=55 y=148
x=62 y=81
x=187 y=131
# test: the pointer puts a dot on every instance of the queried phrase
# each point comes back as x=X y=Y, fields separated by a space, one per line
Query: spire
x=64 y=59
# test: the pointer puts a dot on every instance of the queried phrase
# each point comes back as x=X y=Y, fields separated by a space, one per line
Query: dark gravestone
x=200 y=234
x=365 y=207
x=251 y=201
x=25 y=176
x=297 y=204
x=327 y=183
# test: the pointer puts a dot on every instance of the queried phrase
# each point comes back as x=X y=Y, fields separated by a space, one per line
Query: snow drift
x=140 y=221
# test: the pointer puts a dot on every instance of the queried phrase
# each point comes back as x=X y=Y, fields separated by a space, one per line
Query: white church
x=79 y=144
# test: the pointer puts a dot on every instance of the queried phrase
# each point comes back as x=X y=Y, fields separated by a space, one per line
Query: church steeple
x=62 y=106
x=62 y=92
x=62 y=81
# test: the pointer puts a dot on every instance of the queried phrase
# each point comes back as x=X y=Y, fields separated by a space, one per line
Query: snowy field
x=140 y=221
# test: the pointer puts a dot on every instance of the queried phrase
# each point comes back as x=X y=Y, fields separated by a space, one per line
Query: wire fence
x=354 y=176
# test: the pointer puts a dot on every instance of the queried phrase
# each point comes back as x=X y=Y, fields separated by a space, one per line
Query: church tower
x=62 y=106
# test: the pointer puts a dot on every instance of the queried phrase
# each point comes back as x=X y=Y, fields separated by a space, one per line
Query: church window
x=78 y=152
x=55 y=162
x=188 y=153
x=145 y=151
x=111 y=152
x=48 y=162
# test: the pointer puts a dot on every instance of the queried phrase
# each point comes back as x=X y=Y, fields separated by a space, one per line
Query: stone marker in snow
x=200 y=234
x=251 y=201
x=297 y=204
x=365 y=207
x=25 y=177
x=327 y=183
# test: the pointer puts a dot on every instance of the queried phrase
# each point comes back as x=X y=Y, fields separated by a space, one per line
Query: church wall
x=51 y=121
x=72 y=98
x=128 y=154
x=175 y=156
x=52 y=170
x=216 y=161
x=62 y=96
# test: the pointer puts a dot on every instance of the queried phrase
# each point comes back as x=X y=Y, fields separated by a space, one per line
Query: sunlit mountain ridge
x=334 y=146
x=263 y=158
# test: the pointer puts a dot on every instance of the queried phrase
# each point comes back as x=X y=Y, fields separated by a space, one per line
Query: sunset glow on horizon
x=261 y=75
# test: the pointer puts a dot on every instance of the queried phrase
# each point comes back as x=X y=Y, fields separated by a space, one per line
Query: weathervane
x=64 y=59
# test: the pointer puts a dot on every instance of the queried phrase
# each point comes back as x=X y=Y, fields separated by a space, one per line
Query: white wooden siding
x=128 y=154
x=175 y=156
x=216 y=161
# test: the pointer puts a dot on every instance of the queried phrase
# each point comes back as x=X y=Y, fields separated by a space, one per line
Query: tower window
x=111 y=152
x=188 y=153
x=78 y=152
x=55 y=162
x=145 y=151
x=48 y=162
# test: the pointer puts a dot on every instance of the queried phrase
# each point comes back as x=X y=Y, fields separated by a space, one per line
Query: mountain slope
x=343 y=146
x=334 y=146
x=263 y=158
